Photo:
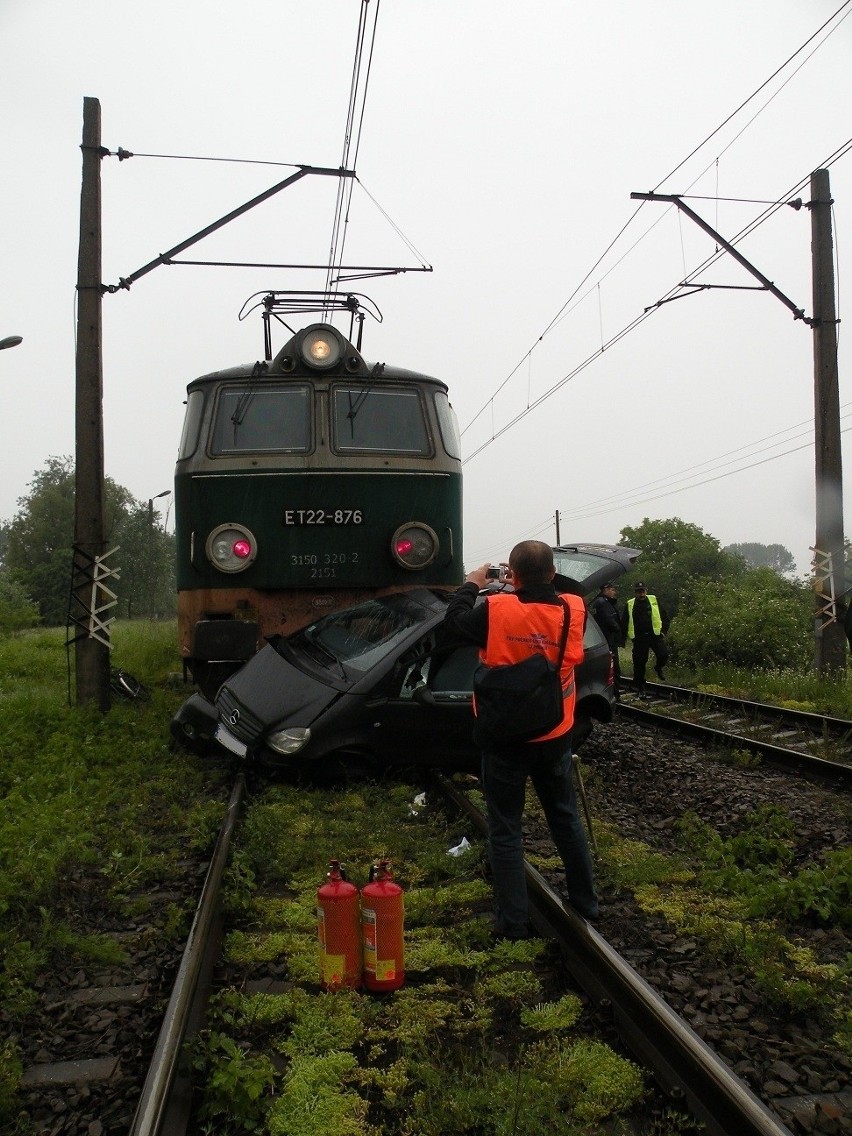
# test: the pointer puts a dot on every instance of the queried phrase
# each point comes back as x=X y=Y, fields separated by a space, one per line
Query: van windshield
x=361 y=637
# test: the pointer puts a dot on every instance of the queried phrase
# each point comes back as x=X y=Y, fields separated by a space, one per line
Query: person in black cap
x=604 y=607
x=644 y=620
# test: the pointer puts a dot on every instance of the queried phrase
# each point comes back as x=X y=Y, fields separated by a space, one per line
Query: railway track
x=164 y=1105
x=816 y=745
x=681 y=1062
x=684 y=1065
x=686 y=1068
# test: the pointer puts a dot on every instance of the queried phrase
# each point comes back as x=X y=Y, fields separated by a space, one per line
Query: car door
x=423 y=714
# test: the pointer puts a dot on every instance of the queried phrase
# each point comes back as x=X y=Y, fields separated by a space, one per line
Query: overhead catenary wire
x=755 y=93
x=634 y=323
x=659 y=489
x=655 y=490
x=352 y=140
x=717 y=477
x=667 y=486
x=842 y=151
x=122 y=154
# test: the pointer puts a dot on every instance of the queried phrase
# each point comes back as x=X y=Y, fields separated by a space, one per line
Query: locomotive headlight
x=289 y=741
x=321 y=348
x=231 y=548
x=414 y=545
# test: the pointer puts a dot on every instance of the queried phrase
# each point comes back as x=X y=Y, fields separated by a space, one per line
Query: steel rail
x=153 y=1108
x=807 y=720
x=831 y=773
x=684 y=1064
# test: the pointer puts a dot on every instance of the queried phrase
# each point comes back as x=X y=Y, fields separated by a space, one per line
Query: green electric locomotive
x=306 y=483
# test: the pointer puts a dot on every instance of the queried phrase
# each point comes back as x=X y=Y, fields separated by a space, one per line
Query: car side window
x=410 y=672
x=453 y=672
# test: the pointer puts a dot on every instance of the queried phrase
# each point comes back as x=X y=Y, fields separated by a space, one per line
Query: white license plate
x=227 y=740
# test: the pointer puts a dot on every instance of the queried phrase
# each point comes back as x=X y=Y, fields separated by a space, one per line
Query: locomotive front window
x=449 y=425
x=271 y=419
x=191 y=424
x=379 y=421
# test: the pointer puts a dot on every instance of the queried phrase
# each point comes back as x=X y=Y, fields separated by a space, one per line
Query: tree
x=17 y=610
x=756 y=555
x=676 y=557
x=147 y=557
x=40 y=536
x=756 y=620
x=39 y=541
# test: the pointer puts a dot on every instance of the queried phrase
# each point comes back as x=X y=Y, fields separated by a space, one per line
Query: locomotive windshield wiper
x=355 y=406
x=241 y=409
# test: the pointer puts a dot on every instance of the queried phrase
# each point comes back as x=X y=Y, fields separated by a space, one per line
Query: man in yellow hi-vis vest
x=644 y=620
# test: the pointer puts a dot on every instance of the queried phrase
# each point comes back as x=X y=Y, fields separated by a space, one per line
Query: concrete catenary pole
x=91 y=651
x=830 y=637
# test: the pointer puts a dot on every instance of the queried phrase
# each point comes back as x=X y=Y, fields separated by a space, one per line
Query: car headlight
x=290 y=740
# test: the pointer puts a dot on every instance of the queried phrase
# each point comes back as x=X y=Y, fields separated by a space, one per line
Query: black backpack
x=522 y=701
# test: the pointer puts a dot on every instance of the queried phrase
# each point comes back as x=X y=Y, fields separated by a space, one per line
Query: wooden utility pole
x=829 y=552
x=92 y=639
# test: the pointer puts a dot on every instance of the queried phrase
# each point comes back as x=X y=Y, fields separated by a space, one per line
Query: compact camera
x=496 y=572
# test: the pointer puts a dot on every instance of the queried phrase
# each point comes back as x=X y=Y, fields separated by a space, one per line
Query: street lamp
x=151 y=501
x=10 y=341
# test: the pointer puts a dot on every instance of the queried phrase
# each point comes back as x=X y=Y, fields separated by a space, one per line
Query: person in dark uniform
x=644 y=620
x=604 y=607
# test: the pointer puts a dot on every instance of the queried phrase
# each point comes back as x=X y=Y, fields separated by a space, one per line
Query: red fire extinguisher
x=338 y=931
x=381 y=929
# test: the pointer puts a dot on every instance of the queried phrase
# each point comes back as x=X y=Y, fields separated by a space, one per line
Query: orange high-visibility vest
x=517 y=630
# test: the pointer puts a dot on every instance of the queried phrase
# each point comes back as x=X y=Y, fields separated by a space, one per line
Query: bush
x=17 y=610
x=758 y=620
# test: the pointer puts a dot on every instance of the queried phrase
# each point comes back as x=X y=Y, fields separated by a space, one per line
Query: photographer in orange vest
x=508 y=627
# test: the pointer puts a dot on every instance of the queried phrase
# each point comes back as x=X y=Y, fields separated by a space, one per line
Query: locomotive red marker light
x=415 y=545
x=231 y=548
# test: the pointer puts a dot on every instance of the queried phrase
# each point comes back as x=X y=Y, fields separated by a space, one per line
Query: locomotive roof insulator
x=319 y=347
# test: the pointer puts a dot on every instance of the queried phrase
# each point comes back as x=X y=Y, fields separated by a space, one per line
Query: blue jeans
x=504 y=778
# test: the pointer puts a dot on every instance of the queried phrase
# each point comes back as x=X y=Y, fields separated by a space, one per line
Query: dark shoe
x=591 y=916
x=660 y=674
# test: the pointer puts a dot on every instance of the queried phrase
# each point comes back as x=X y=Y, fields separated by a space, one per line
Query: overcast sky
x=504 y=141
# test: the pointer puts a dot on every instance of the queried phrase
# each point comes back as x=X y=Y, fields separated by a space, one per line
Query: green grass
x=88 y=795
x=798 y=689
x=479 y=1038
x=742 y=896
